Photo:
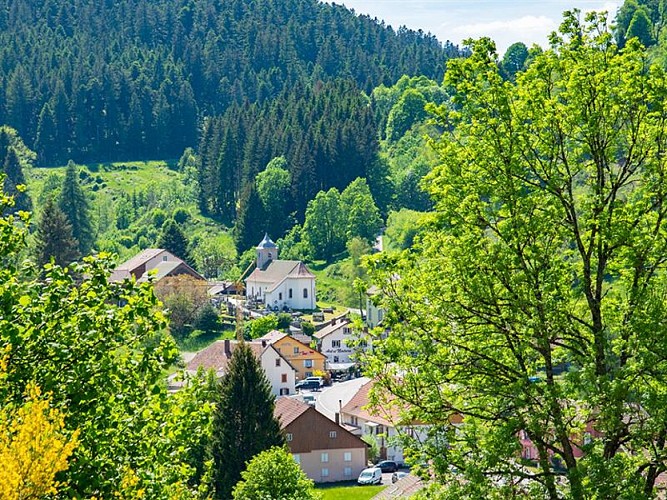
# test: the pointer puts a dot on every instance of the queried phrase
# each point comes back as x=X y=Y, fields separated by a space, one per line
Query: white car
x=372 y=475
x=320 y=380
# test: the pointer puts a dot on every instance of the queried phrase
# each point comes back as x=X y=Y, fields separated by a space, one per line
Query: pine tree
x=243 y=424
x=250 y=220
x=14 y=177
x=74 y=203
x=174 y=240
x=54 y=237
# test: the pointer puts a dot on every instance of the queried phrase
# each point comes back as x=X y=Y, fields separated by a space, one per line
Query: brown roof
x=217 y=355
x=357 y=406
x=140 y=259
x=287 y=410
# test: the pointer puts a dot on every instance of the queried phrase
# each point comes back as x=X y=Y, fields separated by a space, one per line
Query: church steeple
x=267 y=251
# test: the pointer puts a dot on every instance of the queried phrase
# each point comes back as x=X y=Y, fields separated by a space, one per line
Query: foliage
x=273 y=188
x=185 y=297
x=259 y=327
x=348 y=492
x=54 y=238
x=94 y=347
x=324 y=227
x=514 y=60
x=14 y=181
x=33 y=448
x=532 y=305
x=362 y=214
x=307 y=328
x=373 y=447
x=273 y=473
x=74 y=203
x=174 y=240
x=402 y=228
x=243 y=422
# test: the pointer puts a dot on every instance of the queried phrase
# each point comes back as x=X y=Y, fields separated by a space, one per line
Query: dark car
x=308 y=385
x=387 y=466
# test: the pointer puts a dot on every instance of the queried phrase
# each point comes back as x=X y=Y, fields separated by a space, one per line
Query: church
x=280 y=284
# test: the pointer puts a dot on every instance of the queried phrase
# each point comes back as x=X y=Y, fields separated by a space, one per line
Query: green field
x=349 y=492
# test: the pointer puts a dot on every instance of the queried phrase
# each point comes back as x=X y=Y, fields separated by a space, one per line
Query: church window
x=280 y=296
x=305 y=293
x=290 y=293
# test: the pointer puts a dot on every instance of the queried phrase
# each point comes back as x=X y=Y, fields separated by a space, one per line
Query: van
x=372 y=475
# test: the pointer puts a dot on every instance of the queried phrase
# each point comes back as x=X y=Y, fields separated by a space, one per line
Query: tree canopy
x=533 y=304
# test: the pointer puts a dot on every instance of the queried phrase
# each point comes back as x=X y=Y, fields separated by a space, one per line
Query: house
x=334 y=342
x=374 y=313
x=325 y=451
x=280 y=284
x=156 y=260
x=279 y=371
x=302 y=357
x=384 y=423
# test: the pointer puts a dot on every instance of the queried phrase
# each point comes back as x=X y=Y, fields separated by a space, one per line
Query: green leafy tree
x=274 y=474
x=174 y=240
x=514 y=59
x=261 y=326
x=54 y=238
x=533 y=305
x=362 y=214
x=324 y=227
x=74 y=203
x=273 y=188
x=243 y=423
x=95 y=348
x=405 y=113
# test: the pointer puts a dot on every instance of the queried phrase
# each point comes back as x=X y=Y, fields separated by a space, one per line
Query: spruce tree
x=250 y=220
x=174 y=240
x=243 y=424
x=74 y=203
x=54 y=237
x=14 y=177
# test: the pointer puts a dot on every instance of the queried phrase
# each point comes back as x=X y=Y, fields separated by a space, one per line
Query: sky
x=504 y=21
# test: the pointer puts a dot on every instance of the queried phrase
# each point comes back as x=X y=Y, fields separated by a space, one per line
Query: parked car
x=308 y=385
x=372 y=475
x=319 y=380
x=309 y=399
x=398 y=475
x=387 y=466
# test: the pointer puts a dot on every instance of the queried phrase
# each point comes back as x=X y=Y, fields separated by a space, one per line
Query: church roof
x=266 y=243
x=278 y=270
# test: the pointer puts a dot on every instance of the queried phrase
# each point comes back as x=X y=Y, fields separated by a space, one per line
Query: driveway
x=338 y=395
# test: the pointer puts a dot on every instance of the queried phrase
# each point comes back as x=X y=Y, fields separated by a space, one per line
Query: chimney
x=228 y=350
x=337 y=418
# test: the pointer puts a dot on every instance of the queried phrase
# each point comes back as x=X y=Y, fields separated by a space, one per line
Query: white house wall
x=279 y=297
x=275 y=373
x=343 y=353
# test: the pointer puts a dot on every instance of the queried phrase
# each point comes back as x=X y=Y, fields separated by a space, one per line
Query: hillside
x=103 y=81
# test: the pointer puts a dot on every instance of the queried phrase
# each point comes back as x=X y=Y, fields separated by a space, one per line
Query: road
x=338 y=395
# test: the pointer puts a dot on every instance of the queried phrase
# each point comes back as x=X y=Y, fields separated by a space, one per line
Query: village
x=322 y=401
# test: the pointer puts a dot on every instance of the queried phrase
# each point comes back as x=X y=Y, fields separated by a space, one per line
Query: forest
x=520 y=200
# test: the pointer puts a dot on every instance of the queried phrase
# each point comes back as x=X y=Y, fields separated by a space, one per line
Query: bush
x=180 y=215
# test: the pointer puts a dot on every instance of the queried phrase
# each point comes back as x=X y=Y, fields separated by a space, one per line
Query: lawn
x=350 y=491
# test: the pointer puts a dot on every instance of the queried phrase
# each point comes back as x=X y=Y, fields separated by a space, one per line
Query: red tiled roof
x=287 y=410
x=357 y=406
x=217 y=355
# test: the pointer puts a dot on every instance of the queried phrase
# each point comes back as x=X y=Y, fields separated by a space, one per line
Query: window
x=280 y=296
x=288 y=437
x=325 y=472
x=347 y=330
x=347 y=471
x=336 y=359
x=164 y=258
x=296 y=350
x=277 y=361
x=297 y=458
x=283 y=378
x=347 y=456
x=307 y=363
x=324 y=457
x=284 y=391
x=289 y=294
x=335 y=343
x=270 y=256
x=305 y=293
x=332 y=434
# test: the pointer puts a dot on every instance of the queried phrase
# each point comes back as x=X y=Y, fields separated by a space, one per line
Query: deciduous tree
x=534 y=305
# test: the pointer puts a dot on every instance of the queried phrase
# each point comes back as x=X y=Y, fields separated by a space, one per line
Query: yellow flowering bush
x=33 y=448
